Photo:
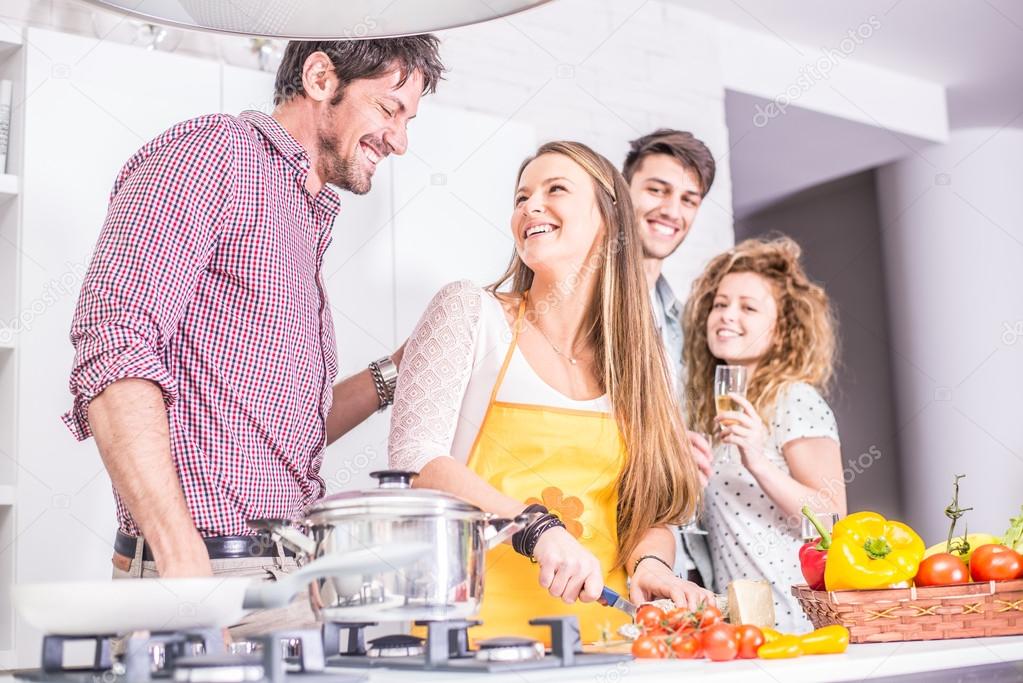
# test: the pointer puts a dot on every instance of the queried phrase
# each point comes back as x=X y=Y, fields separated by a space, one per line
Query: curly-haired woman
x=754 y=306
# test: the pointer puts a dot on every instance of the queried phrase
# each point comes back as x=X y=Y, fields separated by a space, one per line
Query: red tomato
x=994 y=562
x=687 y=647
x=708 y=616
x=649 y=647
x=942 y=569
x=650 y=617
x=719 y=642
x=750 y=639
x=678 y=618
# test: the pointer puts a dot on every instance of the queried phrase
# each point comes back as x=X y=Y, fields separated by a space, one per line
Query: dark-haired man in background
x=669 y=173
x=205 y=350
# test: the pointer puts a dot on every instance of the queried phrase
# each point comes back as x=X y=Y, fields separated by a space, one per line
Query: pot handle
x=394 y=479
x=281 y=530
x=499 y=530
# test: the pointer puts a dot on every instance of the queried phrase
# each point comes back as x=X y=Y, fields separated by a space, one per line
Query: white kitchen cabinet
x=454 y=193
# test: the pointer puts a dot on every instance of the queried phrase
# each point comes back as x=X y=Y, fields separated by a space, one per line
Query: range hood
x=318 y=19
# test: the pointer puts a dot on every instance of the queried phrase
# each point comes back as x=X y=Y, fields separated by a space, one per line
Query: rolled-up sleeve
x=167 y=209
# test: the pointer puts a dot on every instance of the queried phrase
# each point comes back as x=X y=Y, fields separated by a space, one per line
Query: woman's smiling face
x=556 y=223
x=740 y=327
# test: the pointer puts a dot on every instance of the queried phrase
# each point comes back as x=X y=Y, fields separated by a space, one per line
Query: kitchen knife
x=609 y=598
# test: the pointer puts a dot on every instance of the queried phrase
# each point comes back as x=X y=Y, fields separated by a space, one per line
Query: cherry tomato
x=993 y=562
x=678 y=618
x=719 y=642
x=942 y=569
x=750 y=640
x=687 y=647
x=649 y=647
x=650 y=617
x=708 y=616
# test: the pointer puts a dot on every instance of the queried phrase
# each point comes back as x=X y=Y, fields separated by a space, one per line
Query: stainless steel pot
x=445 y=582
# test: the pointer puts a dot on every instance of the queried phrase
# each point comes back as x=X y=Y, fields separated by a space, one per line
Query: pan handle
x=281 y=530
x=272 y=594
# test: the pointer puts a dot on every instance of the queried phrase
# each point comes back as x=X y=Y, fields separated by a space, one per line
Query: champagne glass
x=728 y=379
x=827 y=521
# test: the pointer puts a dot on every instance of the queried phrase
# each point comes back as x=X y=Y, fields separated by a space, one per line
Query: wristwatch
x=385 y=377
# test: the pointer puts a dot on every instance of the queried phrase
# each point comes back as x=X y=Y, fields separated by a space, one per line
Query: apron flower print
x=567 y=508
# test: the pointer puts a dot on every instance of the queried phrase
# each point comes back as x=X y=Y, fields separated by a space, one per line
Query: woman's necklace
x=554 y=346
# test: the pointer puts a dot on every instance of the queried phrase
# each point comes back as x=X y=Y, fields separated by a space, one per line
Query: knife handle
x=608 y=597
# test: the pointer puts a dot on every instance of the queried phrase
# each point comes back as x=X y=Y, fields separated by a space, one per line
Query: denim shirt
x=668 y=318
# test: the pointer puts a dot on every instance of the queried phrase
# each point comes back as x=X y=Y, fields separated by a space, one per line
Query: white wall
x=953 y=244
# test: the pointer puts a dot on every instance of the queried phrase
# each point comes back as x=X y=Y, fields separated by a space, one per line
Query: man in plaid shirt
x=205 y=353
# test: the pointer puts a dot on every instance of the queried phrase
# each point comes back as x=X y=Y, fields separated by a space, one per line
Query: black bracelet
x=520 y=536
x=537 y=530
x=652 y=557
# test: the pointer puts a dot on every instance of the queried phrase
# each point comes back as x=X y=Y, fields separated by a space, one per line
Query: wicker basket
x=969 y=610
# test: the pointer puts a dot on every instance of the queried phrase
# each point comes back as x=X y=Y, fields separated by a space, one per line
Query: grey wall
x=838 y=227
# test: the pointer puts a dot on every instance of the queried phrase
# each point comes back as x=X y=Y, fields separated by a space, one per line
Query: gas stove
x=194 y=657
x=336 y=653
x=446 y=648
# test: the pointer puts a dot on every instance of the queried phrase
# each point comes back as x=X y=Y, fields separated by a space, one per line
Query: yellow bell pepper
x=869 y=551
x=827 y=640
x=770 y=635
x=784 y=647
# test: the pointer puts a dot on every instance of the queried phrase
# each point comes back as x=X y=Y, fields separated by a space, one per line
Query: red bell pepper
x=814 y=554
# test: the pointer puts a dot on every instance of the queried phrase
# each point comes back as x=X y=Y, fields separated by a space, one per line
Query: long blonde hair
x=658 y=483
x=804 y=345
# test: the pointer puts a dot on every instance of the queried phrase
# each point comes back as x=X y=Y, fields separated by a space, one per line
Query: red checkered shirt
x=206 y=280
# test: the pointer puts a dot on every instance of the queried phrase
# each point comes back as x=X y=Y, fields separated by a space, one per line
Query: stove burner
x=398 y=645
x=220 y=669
x=510 y=649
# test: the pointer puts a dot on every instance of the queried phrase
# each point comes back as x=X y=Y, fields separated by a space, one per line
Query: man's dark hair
x=355 y=59
x=682 y=146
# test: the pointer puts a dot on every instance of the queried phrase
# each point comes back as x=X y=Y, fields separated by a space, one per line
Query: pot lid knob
x=394 y=479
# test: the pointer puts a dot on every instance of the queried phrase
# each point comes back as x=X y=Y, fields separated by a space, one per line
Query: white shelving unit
x=10 y=186
x=12 y=67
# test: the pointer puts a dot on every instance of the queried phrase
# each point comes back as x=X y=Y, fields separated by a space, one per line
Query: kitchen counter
x=882 y=661
x=860 y=662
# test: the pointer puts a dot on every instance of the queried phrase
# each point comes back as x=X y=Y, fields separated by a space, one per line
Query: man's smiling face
x=368 y=124
x=667 y=196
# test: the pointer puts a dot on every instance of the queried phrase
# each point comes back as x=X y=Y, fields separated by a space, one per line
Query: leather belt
x=219 y=547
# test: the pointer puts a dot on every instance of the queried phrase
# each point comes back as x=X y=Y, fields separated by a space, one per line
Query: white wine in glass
x=728 y=379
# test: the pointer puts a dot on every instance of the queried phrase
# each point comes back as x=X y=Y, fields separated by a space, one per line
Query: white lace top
x=448 y=371
x=749 y=537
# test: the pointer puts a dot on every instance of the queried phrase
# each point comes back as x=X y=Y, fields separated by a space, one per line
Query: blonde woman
x=754 y=306
x=547 y=390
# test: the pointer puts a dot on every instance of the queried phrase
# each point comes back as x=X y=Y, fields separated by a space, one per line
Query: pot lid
x=394 y=494
x=316 y=19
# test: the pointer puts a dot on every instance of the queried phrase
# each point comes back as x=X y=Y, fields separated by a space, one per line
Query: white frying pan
x=124 y=605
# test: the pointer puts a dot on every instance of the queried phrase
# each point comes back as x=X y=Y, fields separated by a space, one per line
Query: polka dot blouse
x=748 y=535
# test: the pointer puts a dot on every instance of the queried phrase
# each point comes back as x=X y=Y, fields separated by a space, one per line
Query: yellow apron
x=570 y=461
